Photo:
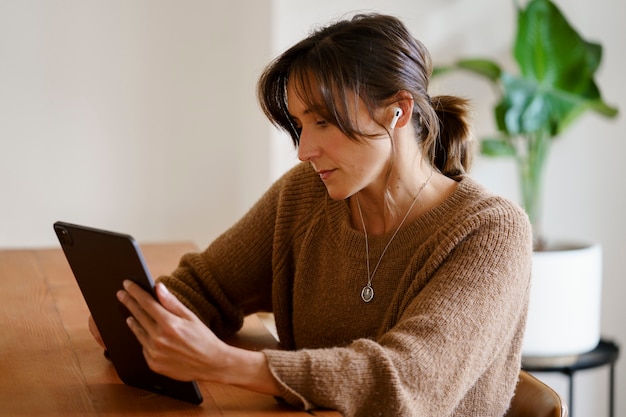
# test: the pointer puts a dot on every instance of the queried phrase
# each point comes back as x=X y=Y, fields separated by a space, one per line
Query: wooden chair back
x=534 y=398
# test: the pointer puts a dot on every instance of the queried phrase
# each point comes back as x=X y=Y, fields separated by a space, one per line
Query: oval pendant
x=367 y=293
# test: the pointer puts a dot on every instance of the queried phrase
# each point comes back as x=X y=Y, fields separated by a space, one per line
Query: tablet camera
x=64 y=236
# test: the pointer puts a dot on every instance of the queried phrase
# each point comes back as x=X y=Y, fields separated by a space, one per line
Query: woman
x=398 y=284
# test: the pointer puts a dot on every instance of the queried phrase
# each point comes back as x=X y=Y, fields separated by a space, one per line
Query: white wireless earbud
x=397 y=112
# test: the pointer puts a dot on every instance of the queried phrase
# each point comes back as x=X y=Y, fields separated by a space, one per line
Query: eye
x=295 y=124
x=321 y=123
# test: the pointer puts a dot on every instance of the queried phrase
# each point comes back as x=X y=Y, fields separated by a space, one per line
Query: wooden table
x=51 y=366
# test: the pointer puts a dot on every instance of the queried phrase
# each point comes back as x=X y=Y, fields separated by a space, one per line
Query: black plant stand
x=606 y=353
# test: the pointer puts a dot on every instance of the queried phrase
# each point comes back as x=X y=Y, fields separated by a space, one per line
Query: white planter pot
x=565 y=302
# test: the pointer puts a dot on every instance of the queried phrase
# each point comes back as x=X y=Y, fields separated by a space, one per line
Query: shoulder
x=478 y=200
x=502 y=219
x=472 y=210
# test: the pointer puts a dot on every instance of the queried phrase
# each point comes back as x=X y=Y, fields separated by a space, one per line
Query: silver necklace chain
x=367 y=293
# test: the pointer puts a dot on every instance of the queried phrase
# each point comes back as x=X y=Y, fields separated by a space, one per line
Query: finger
x=171 y=303
x=136 y=309
x=139 y=332
x=137 y=292
x=146 y=301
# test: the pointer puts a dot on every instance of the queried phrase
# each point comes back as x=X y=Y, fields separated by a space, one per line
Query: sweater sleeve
x=232 y=277
x=460 y=321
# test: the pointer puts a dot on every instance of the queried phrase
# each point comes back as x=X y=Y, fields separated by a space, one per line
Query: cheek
x=360 y=157
x=369 y=164
x=375 y=155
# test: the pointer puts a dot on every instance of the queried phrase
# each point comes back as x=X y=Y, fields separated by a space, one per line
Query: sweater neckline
x=352 y=240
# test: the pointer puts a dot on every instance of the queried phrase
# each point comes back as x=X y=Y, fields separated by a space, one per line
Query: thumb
x=171 y=303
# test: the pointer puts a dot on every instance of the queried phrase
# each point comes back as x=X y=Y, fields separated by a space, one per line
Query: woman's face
x=343 y=164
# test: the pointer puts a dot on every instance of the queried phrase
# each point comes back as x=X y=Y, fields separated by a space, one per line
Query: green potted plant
x=554 y=85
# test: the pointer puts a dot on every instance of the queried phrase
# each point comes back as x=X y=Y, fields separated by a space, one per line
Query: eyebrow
x=304 y=113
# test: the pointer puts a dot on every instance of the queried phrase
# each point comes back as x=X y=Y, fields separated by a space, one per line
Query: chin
x=338 y=195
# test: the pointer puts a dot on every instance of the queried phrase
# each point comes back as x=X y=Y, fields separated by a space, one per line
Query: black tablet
x=100 y=261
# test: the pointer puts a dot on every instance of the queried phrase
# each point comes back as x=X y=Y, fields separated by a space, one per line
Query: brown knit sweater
x=442 y=336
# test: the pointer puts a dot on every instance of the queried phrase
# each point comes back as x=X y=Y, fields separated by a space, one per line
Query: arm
x=232 y=277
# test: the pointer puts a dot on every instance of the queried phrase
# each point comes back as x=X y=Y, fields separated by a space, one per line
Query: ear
x=400 y=110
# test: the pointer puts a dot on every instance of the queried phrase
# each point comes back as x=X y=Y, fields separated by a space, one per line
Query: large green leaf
x=496 y=147
x=549 y=50
x=557 y=67
x=483 y=67
x=556 y=75
x=529 y=107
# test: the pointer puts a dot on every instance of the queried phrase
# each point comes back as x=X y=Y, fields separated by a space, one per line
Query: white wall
x=138 y=116
x=141 y=116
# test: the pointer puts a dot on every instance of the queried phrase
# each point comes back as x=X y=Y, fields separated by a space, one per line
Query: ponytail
x=446 y=136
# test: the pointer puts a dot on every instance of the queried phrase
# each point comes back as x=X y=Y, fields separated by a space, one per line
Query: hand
x=175 y=342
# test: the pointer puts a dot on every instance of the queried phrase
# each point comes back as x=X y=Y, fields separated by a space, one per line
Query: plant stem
x=531 y=162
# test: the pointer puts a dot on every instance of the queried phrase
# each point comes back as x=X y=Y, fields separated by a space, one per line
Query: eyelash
x=321 y=123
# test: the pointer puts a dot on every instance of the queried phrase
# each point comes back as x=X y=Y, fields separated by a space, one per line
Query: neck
x=371 y=213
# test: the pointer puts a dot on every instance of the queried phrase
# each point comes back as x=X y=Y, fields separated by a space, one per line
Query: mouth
x=325 y=173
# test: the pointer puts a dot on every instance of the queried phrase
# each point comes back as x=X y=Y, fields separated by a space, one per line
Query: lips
x=325 y=174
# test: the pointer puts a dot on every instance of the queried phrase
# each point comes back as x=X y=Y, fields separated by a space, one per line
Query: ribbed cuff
x=280 y=367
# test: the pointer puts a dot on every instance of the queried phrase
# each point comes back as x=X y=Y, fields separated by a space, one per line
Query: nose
x=307 y=146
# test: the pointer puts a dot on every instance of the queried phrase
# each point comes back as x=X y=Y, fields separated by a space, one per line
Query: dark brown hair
x=373 y=57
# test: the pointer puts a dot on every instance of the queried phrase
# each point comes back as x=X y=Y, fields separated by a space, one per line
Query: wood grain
x=51 y=366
